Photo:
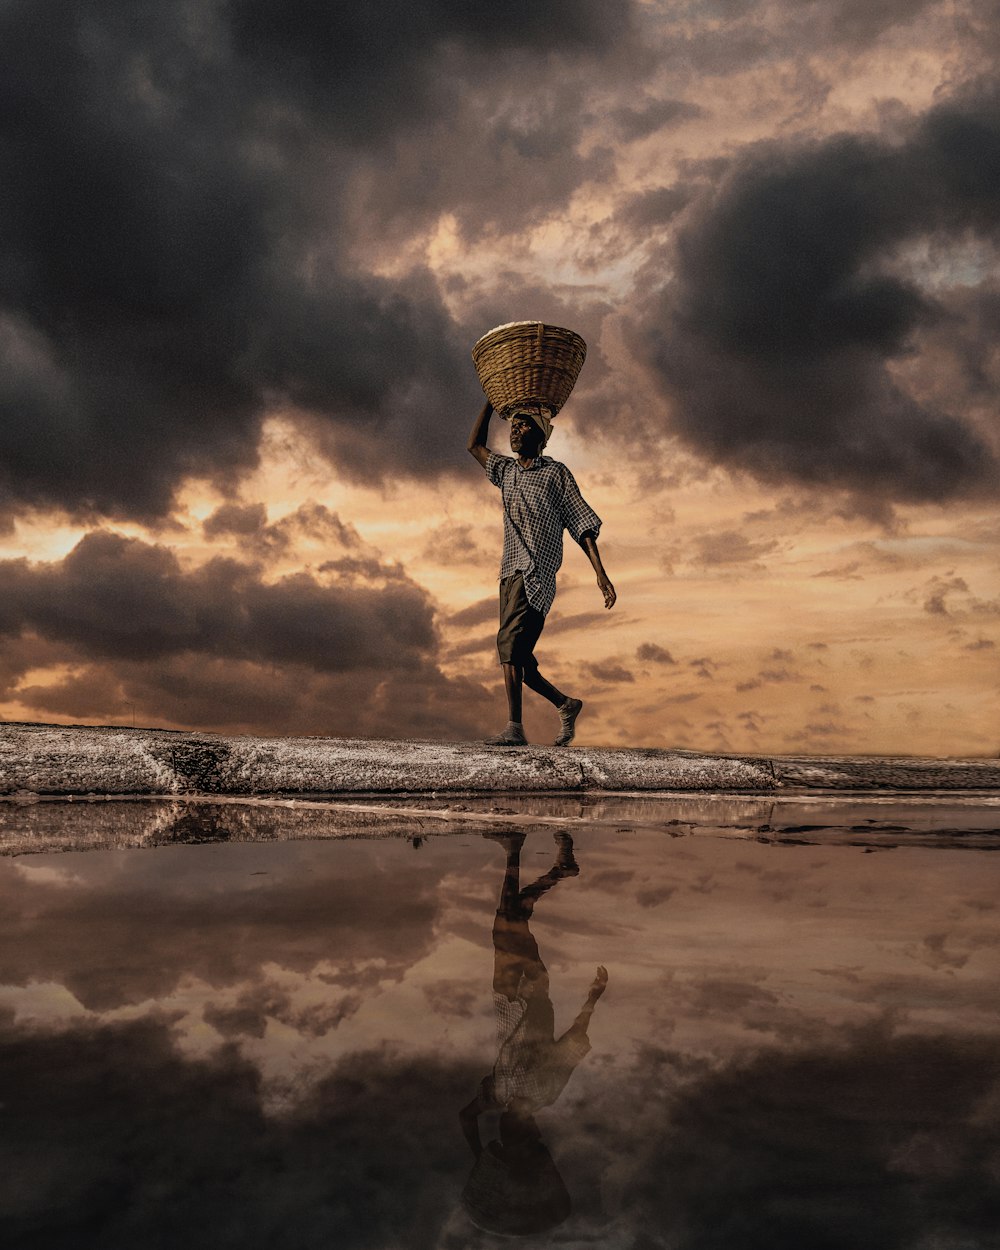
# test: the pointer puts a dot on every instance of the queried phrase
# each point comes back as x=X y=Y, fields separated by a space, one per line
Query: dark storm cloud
x=776 y=340
x=353 y=651
x=249 y=1015
x=638 y=123
x=880 y=1143
x=652 y=209
x=364 y=69
x=117 y=1139
x=239 y=696
x=173 y=244
x=122 y=598
x=478 y=613
x=247 y=523
x=240 y=520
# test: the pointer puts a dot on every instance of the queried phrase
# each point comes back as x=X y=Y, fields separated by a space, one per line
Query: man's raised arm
x=480 y=433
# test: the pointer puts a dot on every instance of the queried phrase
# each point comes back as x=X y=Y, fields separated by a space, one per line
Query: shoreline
x=38 y=760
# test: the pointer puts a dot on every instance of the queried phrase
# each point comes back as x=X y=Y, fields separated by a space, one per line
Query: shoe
x=568 y=713
x=509 y=738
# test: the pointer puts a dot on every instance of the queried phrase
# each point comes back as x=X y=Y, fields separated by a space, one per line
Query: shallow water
x=284 y=1043
x=970 y=820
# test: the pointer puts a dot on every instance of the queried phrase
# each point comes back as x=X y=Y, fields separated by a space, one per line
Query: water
x=231 y=1041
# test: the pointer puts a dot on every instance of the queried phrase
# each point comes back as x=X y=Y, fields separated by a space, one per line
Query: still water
x=597 y=1036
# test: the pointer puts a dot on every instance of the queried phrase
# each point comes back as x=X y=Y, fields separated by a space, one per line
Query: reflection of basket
x=528 y=362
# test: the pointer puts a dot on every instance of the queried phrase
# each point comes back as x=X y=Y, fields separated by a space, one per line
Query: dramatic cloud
x=246 y=246
x=164 y=1149
x=880 y=1143
x=122 y=598
x=783 y=339
x=353 y=649
x=188 y=933
x=175 y=240
x=247 y=524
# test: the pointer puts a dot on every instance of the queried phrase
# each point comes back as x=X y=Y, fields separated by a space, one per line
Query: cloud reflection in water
x=800 y=1049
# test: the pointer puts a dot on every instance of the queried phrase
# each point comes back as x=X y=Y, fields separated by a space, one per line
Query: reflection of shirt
x=530 y=1064
x=539 y=502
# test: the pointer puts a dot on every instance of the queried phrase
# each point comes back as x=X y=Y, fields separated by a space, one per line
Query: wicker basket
x=528 y=362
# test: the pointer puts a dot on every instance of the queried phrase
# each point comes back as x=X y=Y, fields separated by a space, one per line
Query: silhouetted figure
x=540 y=500
x=515 y=1186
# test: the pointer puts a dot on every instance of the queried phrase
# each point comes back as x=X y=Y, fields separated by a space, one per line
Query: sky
x=246 y=247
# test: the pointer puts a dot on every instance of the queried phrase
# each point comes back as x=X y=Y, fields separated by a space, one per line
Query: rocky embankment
x=79 y=760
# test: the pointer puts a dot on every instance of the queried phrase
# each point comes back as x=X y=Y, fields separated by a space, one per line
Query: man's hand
x=599 y=984
x=589 y=543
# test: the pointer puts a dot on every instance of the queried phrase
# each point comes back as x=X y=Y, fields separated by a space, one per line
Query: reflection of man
x=540 y=500
x=515 y=1186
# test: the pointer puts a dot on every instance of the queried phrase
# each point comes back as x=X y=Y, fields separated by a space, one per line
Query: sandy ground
x=49 y=760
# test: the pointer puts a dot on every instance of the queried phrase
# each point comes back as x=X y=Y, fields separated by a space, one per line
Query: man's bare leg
x=535 y=681
x=515 y=678
x=513 y=735
x=569 y=709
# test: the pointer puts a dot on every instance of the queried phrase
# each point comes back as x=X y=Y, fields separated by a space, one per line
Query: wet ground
x=257 y=1032
x=29 y=825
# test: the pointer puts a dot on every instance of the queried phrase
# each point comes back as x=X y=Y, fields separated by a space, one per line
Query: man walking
x=540 y=500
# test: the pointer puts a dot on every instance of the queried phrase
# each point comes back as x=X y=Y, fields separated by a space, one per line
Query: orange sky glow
x=799 y=519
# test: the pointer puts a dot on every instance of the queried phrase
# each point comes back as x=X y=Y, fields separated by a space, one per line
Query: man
x=540 y=500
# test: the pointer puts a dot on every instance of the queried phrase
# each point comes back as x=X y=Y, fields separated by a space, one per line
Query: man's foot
x=568 y=713
x=512 y=736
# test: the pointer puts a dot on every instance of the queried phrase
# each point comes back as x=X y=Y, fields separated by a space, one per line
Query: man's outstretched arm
x=480 y=433
x=589 y=543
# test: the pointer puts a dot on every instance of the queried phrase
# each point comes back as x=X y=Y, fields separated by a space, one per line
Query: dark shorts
x=520 y=624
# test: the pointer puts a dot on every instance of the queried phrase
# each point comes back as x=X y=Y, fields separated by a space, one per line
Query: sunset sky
x=246 y=247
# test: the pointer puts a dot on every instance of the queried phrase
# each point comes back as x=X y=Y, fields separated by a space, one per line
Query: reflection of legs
x=515 y=950
x=517 y=903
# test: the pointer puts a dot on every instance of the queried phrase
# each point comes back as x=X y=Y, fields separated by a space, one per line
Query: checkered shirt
x=539 y=502
x=533 y=1068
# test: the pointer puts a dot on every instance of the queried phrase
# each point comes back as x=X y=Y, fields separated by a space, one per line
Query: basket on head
x=527 y=363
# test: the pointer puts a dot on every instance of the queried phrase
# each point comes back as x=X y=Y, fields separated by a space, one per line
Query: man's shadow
x=515 y=1186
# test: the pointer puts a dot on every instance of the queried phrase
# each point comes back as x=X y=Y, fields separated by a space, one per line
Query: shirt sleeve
x=578 y=516
x=496 y=467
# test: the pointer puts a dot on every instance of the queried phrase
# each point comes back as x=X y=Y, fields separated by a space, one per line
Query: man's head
x=529 y=432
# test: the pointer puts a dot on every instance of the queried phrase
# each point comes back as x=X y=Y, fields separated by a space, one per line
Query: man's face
x=525 y=437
